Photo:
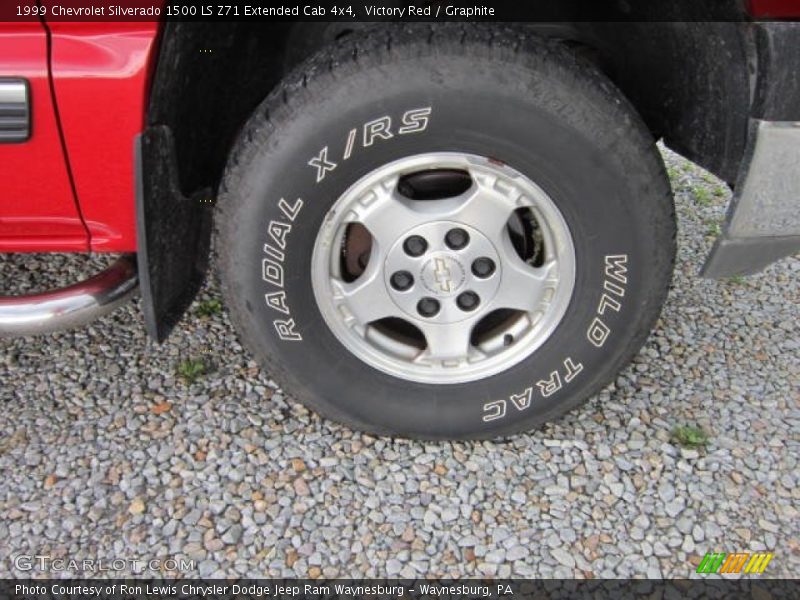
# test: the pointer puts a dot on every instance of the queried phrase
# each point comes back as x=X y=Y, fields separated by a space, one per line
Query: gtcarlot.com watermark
x=49 y=564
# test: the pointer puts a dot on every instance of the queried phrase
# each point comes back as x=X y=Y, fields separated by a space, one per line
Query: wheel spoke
x=366 y=299
x=483 y=206
x=447 y=342
x=523 y=286
x=386 y=213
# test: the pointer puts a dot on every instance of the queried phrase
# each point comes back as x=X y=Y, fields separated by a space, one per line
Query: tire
x=533 y=111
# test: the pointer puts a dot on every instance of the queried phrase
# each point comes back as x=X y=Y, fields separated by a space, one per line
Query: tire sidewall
x=593 y=174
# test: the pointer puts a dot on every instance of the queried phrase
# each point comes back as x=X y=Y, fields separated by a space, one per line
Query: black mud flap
x=173 y=233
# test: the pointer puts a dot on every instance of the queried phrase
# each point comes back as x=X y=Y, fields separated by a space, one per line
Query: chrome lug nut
x=428 y=307
x=415 y=245
x=401 y=280
x=456 y=238
x=468 y=301
x=483 y=267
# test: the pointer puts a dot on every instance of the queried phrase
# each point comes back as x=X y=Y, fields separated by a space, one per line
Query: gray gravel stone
x=563 y=556
x=207 y=568
x=698 y=534
x=674 y=507
x=393 y=567
x=233 y=535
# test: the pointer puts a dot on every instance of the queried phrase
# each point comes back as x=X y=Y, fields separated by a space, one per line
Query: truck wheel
x=445 y=233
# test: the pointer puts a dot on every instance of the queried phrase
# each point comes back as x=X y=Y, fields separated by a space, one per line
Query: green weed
x=702 y=195
x=690 y=436
x=673 y=174
x=209 y=308
x=737 y=279
x=190 y=370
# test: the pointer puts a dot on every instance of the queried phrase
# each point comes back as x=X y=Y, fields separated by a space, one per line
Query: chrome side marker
x=15 y=110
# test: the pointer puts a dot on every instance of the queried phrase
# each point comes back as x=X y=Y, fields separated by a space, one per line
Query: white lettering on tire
x=616 y=267
x=616 y=278
x=598 y=332
x=572 y=369
x=496 y=409
x=523 y=400
x=348 y=147
x=614 y=286
x=277 y=300
x=322 y=164
x=549 y=386
x=286 y=330
x=272 y=270
x=378 y=128
x=411 y=121
x=415 y=120
x=290 y=211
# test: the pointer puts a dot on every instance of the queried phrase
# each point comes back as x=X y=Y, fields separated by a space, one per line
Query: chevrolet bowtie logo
x=443 y=275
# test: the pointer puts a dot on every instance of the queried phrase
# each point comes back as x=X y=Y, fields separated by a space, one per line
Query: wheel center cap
x=443 y=275
x=432 y=272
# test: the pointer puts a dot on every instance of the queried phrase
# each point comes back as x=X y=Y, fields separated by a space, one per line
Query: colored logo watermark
x=741 y=562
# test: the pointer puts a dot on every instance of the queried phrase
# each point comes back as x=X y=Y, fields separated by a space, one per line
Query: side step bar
x=71 y=306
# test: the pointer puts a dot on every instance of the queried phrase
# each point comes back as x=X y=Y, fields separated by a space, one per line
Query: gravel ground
x=107 y=453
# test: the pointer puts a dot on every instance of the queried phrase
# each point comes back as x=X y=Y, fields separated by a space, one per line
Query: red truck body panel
x=100 y=76
x=39 y=211
x=774 y=9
